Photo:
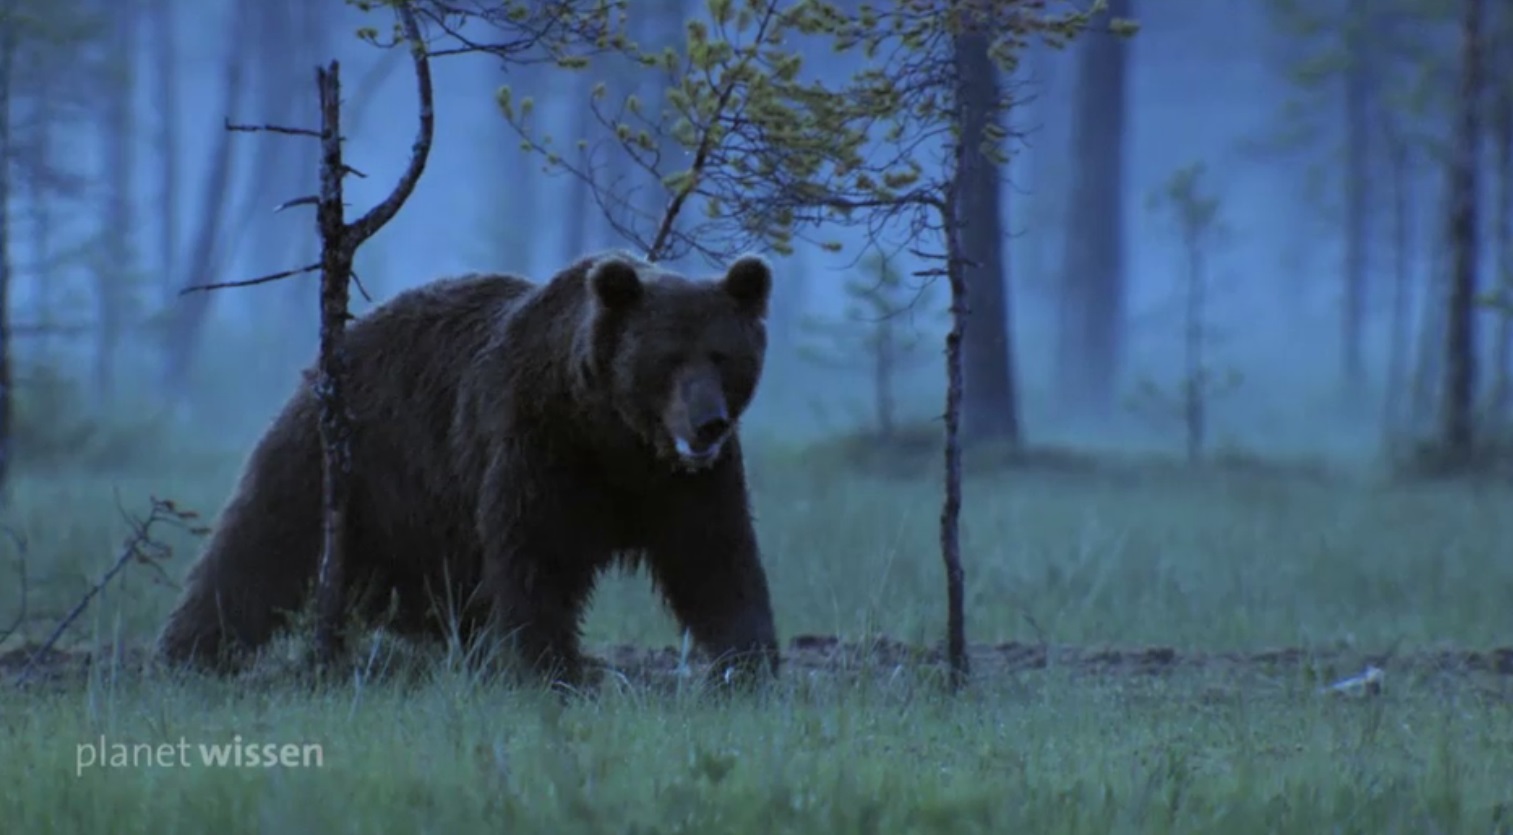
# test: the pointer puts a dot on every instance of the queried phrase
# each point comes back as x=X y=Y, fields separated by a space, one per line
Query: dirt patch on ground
x=829 y=654
x=812 y=656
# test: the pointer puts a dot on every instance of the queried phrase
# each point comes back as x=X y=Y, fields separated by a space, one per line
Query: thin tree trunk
x=191 y=311
x=1428 y=372
x=950 y=512
x=1502 y=241
x=1091 y=338
x=165 y=89
x=1357 y=202
x=1457 y=427
x=40 y=217
x=1194 y=389
x=883 y=368
x=335 y=428
x=7 y=151
x=115 y=275
x=1402 y=281
x=990 y=406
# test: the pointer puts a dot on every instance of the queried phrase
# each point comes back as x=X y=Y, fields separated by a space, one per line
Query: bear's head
x=678 y=358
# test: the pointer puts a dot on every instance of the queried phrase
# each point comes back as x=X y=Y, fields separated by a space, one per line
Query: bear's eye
x=718 y=357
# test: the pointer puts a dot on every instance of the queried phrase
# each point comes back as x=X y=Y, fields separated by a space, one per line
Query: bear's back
x=406 y=360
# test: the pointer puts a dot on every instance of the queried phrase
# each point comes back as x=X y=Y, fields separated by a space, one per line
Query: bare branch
x=140 y=548
x=376 y=217
x=307 y=200
x=266 y=279
x=357 y=282
x=288 y=131
x=543 y=31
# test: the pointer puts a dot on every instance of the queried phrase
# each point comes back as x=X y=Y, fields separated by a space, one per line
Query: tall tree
x=165 y=74
x=1093 y=281
x=188 y=314
x=990 y=405
x=9 y=37
x=1357 y=83
x=1457 y=415
x=114 y=272
x=1501 y=135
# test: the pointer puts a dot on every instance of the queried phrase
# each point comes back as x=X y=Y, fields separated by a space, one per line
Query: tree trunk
x=331 y=374
x=990 y=406
x=950 y=510
x=165 y=87
x=1357 y=82
x=1093 y=291
x=117 y=272
x=190 y=312
x=1428 y=372
x=884 y=367
x=7 y=151
x=40 y=217
x=1502 y=242
x=1195 y=382
x=1398 y=336
x=1457 y=416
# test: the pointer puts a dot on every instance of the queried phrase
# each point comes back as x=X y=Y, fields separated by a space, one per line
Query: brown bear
x=511 y=441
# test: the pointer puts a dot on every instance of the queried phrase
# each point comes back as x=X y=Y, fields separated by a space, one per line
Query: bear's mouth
x=694 y=458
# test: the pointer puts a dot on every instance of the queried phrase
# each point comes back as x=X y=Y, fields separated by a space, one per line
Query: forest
x=1133 y=449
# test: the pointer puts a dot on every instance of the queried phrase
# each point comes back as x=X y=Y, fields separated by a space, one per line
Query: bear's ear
x=615 y=283
x=749 y=281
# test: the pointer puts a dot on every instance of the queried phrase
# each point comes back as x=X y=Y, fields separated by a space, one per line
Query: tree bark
x=1502 y=242
x=117 y=270
x=330 y=385
x=190 y=312
x=950 y=512
x=1457 y=416
x=165 y=87
x=1093 y=281
x=990 y=407
x=1357 y=188
x=1398 y=337
x=7 y=150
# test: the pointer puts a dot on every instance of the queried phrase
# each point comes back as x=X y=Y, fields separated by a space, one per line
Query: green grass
x=1127 y=556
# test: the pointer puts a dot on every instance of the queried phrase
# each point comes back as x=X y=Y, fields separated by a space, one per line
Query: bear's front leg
x=706 y=562
x=536 y=602
x=538 y=572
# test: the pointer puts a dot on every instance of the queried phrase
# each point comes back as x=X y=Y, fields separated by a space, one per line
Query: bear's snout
x=699 y=420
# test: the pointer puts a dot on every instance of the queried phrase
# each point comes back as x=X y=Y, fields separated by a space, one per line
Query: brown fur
x=512 y=441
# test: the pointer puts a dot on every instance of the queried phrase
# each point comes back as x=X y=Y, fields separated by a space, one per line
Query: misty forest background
x=1252 y=200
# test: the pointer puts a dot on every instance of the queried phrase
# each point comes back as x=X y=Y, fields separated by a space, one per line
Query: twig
x=140 y=548
x=266 y=279
x=357 y=282
x=231 y=126
x=420 y=151
x=307 y=200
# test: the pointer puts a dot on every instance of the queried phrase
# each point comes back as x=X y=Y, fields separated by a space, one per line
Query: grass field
x=1149 y=646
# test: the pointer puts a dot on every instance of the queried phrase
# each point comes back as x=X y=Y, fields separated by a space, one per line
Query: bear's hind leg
x=262 y=555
